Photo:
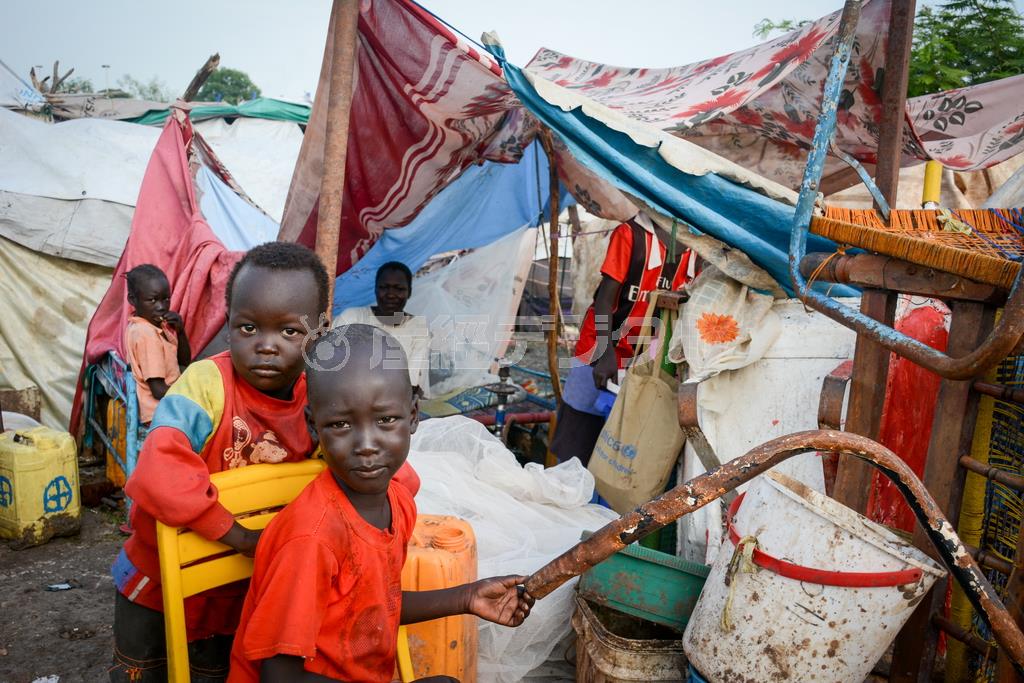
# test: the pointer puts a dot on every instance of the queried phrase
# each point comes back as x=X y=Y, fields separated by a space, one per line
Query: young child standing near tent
x=326 y=596
x=156 y=346
x=243 y=406
x=635 y=265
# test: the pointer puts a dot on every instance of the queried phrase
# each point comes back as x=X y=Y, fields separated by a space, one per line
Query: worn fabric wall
x=47 y=302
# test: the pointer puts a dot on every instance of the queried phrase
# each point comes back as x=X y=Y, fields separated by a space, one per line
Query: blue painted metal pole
x=1003 y=338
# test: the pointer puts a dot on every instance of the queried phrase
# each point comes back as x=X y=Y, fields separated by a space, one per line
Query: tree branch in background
x=200 y=78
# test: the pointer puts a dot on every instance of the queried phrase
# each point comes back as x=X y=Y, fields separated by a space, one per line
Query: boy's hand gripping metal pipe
x=1003 y=338
x=712 y=485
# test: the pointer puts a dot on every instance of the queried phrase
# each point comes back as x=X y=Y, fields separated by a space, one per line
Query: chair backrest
x=191 y=564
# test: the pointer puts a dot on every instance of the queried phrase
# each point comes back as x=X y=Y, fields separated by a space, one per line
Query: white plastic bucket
x=853 y=586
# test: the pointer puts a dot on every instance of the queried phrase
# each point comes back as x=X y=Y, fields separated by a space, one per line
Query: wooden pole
x=894 y=98
x=205 y=71
x=345 y=33
x=555 y=305
x=871 y=361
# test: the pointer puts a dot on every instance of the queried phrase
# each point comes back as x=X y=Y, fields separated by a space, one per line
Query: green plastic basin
x=647 y=584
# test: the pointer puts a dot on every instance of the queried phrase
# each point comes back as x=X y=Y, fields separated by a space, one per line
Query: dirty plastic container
x=828 y=592
x=442 y=554
x=612 y=647
x=39 y=496
x=646 y=584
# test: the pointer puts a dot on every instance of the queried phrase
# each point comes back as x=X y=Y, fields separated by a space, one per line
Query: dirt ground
x=67 y=634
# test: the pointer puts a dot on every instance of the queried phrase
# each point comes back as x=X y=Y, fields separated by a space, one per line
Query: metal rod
x=1000 y=392
x=979 y=645
x=344 y=34
x=1014 y=481
x=710 y=486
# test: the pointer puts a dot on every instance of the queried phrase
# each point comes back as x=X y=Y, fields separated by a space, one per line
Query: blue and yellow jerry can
x=39 y=496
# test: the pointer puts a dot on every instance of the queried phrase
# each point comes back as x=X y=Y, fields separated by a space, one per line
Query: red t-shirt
x=327 y=587
x=616 y=266
x=210 y=420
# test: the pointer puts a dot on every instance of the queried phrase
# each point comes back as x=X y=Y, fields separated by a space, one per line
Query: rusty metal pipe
x=1014 y=481
x=712 y=485
x=1000 y=392
x=957 y=632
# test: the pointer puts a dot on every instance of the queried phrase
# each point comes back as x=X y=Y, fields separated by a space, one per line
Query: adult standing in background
x=393 y=287
x=634 y=266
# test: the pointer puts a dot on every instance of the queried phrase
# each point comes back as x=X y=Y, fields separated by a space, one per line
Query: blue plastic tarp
x=238 y=224
x=484 y=204
x=740 y=217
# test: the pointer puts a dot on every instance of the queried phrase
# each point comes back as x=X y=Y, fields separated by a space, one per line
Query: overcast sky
x=280 y=44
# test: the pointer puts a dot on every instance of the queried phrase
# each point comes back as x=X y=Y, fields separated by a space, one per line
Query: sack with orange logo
x=641 y=440
x=724 y=326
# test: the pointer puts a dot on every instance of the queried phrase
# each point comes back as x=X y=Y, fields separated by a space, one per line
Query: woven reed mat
x=981 y=244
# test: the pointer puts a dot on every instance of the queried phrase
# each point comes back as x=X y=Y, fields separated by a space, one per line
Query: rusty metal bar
x=886 y=272
x=833 y=396
x=989 y=560
x=976 y=643
x=1000 y=392
x=701 y=490
x=1014 y=481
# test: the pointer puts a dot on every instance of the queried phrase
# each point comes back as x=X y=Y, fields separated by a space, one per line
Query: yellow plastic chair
x=191 y=564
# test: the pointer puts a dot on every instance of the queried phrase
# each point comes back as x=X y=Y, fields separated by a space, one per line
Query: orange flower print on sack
x=717 y=329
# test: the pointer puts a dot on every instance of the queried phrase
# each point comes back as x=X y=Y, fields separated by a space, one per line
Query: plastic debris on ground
x=523 y=517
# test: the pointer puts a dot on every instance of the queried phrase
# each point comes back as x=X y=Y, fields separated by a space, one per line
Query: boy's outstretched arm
x=287 y=669
x=498 y=599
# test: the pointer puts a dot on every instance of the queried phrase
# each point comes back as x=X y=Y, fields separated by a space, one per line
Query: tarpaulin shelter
x=68 y=195
x=758 y=106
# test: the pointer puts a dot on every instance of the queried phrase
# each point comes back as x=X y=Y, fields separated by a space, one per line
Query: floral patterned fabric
x=758 y=107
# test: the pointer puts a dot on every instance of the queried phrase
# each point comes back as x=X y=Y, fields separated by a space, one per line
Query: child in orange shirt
x=244 y=406
x=154 y=340
x=326 y=600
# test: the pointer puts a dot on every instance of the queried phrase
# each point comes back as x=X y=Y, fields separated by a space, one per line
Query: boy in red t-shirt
x=155 y=344
x=326 y=596
x=244 y=406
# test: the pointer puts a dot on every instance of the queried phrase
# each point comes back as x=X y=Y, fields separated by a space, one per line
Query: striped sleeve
x=194 y=404
x=171 y=481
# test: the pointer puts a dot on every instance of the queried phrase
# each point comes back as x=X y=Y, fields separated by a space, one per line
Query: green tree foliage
x=228 y=85
x=965 y=42
x=154 y=89
x=766 y=27
x=75 y=85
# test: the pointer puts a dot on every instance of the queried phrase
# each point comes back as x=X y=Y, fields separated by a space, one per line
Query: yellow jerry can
x=39 y=496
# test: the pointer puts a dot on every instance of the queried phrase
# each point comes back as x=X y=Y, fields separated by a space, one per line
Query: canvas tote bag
x=641 y=441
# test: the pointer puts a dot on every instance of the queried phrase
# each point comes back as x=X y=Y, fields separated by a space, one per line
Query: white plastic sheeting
x=47 y=304
x=470 y=306
x=260 y=154
x=69 y=189
x=776 y=395
x=522 y=518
